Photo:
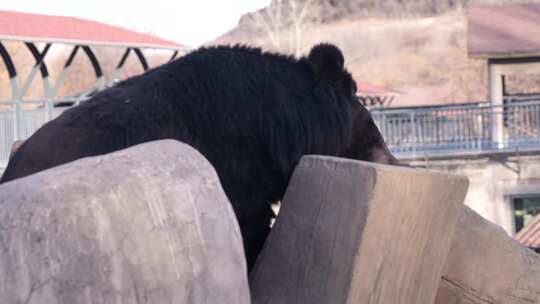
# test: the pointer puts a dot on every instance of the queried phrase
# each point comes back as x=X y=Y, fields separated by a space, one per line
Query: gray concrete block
x=356 y=232
x=150 y=224
x=486 y=266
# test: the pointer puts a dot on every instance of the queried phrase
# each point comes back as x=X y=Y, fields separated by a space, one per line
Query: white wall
x=493 y=182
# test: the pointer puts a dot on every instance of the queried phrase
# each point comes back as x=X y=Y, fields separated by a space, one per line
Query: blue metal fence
x=7 y=132
x=31 y=121
x=409 y=132
x=456 y=129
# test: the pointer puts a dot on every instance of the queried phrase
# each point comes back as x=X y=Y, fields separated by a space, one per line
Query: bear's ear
x=327 y=62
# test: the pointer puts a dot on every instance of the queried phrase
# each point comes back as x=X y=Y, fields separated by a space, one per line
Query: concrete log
x=150 y=224
x=486 y=266
x=356 y=232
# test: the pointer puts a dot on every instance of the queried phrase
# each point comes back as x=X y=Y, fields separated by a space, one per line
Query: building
x=495 y=143
x=20 y=116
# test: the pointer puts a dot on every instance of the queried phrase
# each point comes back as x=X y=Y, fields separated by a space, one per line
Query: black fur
x=251 y=114
x=327 y=63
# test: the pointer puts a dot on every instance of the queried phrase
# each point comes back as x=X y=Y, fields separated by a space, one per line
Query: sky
x=188 y=22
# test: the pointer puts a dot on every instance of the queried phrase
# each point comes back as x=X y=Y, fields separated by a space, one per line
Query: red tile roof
x=497 y=31
x=530 y=234
x=71 y=30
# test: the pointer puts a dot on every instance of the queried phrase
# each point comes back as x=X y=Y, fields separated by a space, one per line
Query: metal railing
x=410 y=132
x=458 y=129
x=17 y=123
x=30 y=121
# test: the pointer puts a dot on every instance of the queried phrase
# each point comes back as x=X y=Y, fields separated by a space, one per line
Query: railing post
x=382 y=118
x=479 y=128
x=496 y=99
x=498 y=125
x=414 y=131
x=49 y=108
x=18 y=120
x=49 y=95
x=17 y=130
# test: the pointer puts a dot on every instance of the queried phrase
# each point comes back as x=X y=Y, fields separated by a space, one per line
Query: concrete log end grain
x=486 y=266
x=149 y=224
x=356 y=232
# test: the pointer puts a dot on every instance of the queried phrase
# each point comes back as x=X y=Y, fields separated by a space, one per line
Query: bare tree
x=284 y=22
x=271 y=21
x=302 y=14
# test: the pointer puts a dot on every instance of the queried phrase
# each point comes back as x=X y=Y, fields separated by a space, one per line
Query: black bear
x=251 y=114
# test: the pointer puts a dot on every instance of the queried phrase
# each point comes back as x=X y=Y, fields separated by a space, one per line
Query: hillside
x=418 y=49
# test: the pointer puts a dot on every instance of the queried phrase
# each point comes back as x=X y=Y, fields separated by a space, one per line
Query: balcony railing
x=410 y=132
x=15 y=126
x=461 y=129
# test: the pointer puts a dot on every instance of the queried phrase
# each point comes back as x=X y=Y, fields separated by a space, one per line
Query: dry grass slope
x=421 y=52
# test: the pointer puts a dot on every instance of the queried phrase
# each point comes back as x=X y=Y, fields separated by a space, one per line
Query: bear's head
x=366 y=142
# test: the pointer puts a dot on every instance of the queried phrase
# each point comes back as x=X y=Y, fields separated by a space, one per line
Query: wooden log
x=356 y=232
x=486 y=266
x=150 y=224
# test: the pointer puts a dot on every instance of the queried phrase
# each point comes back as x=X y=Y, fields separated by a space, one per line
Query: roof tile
x=511 y=30
x=36 y=27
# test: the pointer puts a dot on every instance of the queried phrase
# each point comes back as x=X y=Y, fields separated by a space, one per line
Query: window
x=525 y=209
